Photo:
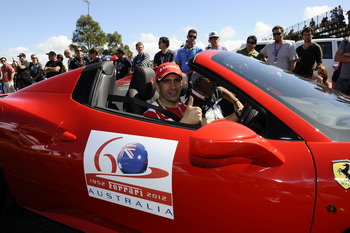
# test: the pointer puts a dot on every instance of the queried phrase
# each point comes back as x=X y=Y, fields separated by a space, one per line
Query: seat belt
x=131 y=100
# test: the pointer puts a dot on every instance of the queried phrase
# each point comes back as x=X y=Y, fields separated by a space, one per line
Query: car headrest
x=143 y=82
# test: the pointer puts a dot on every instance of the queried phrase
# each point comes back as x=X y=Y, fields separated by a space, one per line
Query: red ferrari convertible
x=77 y=149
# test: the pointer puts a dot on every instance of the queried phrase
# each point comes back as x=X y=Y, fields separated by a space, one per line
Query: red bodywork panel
x=64 y=160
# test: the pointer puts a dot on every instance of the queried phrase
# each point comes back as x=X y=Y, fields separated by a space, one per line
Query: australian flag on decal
x=133 y=159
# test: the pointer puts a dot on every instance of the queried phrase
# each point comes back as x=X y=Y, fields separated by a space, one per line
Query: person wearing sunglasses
x=188 y=51
x=79 y=60
x=35 y=69
x=7 y=76
x=250 y=51
x=207 y=95
x=280 y=53
x=214 y=41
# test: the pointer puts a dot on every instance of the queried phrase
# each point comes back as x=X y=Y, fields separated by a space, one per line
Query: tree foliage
x=88 y=34
x=114 y=41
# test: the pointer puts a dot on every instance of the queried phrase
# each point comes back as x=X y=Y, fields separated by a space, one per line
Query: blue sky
x=40 y=26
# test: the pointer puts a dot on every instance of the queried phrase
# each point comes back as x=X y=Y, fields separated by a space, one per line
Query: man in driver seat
x=169 y=86
x=207 y=95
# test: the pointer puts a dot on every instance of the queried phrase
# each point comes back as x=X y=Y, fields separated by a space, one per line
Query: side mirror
x=222 y=141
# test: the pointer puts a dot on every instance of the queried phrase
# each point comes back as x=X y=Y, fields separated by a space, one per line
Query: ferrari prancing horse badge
x=341 y=171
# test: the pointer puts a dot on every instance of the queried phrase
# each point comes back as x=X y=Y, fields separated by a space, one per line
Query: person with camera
x=21 y=66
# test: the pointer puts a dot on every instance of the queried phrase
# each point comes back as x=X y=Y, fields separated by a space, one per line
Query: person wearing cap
x=250 y=51
x=7 y=76
x=188 y=51
x=93 y=56
x=165 y=54
x=214 y=40
x=22 y=79
x=54 y=66
x=123 y=64
x=169 y=86
x=79 y=60
x=207 y=95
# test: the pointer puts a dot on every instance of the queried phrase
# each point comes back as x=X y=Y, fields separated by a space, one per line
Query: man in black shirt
x=165 y=55
x=78 y=60
x=123 y=64
x=309 y=53
x=53 y=66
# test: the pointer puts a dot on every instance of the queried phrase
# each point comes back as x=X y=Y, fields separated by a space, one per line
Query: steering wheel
x=246 y=110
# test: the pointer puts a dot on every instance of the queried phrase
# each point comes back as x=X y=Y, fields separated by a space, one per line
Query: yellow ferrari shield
x=341 y=171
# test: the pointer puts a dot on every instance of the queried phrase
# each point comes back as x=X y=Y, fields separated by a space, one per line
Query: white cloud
x=232 y=45
x=227 y=32
x=310 y=12
x=14 y=52
x=55 y=43
x=262 y=30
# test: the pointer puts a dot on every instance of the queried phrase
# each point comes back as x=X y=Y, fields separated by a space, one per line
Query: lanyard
x=277 y=50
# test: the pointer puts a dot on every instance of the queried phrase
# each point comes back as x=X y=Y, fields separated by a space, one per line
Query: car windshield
x=325 y=109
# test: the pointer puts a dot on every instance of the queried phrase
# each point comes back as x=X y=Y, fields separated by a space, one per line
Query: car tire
x=6 y=200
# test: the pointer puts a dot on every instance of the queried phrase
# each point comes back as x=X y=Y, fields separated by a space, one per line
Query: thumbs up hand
x=192 y=115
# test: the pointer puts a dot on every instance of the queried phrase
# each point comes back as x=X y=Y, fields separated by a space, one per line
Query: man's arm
x=52 y=69
x=340 y=56
x=292 y=65
x=227 y=95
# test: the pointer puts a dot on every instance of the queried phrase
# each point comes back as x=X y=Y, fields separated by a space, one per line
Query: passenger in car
x=207 y=95
x=169 y=86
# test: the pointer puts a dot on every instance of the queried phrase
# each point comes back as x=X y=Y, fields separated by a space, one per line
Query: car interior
x=97 y=89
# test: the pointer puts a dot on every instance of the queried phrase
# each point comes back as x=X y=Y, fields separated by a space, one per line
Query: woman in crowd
x=322 y=76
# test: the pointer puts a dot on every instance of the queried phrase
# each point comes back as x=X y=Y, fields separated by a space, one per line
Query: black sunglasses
x=251 y=42
x=277 y=34
x=192 y=36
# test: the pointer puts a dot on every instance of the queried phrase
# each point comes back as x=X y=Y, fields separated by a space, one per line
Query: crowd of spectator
x=303 y=60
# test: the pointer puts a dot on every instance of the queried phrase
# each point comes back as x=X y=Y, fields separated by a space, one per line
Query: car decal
x=341 y=171
x=131 y=171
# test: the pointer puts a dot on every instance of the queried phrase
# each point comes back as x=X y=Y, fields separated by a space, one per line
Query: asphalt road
x=19 y=220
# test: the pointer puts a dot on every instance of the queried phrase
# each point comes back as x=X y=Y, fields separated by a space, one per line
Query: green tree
x=88 y=33
x=114 y=41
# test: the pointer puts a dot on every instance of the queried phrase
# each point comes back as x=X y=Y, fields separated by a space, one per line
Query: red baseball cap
x=167 y=68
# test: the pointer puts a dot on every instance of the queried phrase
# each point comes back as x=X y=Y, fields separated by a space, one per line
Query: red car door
x=174 y=186
x=332 y=165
